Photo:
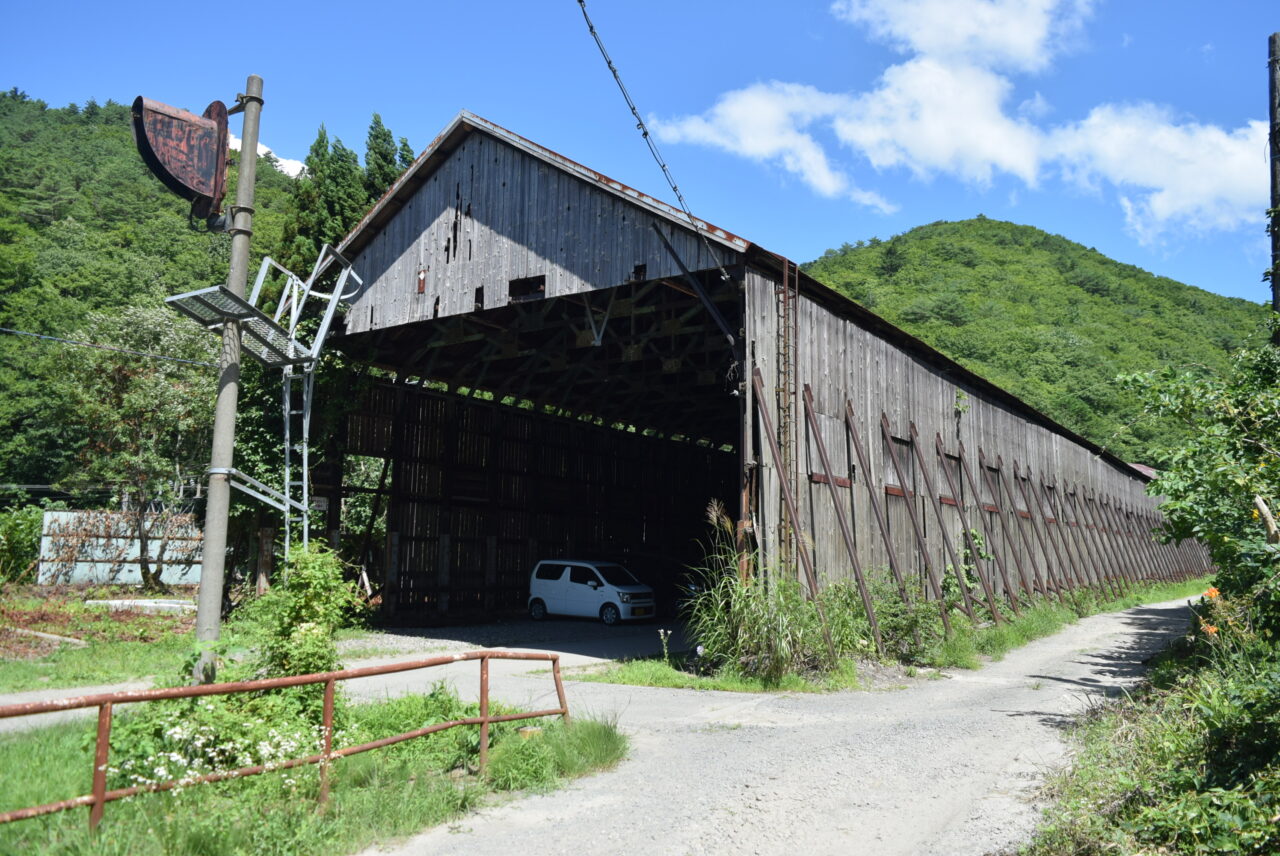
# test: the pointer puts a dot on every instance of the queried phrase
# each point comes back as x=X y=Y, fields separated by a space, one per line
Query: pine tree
x=330 y=198
x=405 y=154
x=380 y=168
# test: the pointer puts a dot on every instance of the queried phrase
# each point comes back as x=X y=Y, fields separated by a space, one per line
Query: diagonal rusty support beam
x=1028 y=585
x=839 y=512
x=956 y=566
x=935 y=577
x=1054 y=572
x=1067 y=566
x=1117 y=523
x=968 y=531
x=789 y=500
x=1031 y=583
x=1085 y=570
x=1110 y=561
x=851 y=426
x=1111 y=538
x=1082 y=540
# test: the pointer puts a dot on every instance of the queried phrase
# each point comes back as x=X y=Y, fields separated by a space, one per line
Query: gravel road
x=947 y=766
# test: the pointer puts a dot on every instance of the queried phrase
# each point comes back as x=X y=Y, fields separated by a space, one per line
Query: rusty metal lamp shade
x=185 y=151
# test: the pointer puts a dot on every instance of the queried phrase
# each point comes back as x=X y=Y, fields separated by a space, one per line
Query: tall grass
x=764 y=627
x=1188 y=764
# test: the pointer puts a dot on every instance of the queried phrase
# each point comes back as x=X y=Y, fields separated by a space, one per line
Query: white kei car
x=590 y=589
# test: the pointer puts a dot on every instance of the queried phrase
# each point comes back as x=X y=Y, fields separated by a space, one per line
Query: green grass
x=100 y=663
x=121 y=645
x=966 y=647
x=376 y=796
x=655 y=672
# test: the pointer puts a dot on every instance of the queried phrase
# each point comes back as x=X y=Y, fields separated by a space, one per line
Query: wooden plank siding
x=840 y=359
x=491 y=213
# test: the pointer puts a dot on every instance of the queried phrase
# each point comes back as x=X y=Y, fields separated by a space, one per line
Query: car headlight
x=624 y=597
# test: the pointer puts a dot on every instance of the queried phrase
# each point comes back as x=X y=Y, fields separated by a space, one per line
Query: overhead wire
x=107 y=348
x=643 y=127
x=732 y=376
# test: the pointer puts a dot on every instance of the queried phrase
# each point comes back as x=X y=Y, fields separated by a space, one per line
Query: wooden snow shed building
x=623 y=394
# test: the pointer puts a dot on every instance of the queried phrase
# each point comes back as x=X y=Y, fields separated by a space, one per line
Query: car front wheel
x=609 y=614
x=537 y=610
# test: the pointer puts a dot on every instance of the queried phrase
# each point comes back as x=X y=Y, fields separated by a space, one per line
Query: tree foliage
x=1048 y=319
x=86 y=235
x=380 y=167
x=1229 y=455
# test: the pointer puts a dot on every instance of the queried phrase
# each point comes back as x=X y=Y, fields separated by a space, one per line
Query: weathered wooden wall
x=480 y=491
x=843 y=361
x=491 y=213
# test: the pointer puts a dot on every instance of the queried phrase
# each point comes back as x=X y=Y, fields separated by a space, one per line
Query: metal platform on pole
x=274 y=341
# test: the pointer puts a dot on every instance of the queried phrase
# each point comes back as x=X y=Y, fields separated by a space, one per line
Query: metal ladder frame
x=274 y=341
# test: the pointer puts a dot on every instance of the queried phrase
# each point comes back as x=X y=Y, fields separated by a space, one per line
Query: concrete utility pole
x=1273 y=73
x=212 y=572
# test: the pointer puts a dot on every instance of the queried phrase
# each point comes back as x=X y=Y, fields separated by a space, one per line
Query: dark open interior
x=592 y=426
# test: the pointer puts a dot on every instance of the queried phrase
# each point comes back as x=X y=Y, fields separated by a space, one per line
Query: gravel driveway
x=946 y=766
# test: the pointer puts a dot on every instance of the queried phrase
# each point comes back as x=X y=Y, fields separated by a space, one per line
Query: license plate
x=641 y=610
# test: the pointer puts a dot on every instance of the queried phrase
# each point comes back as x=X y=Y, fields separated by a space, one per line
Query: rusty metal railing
x=106 y=703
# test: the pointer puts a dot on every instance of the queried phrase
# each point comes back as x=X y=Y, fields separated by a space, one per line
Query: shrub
x=20 y=543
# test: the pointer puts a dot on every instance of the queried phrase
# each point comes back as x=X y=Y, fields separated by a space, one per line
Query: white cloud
x=769 y=122
x=944 y=111
x=931 y=117
x=1168 y=173
x=1035 y=107
x=1018 y=34
x=288 y=166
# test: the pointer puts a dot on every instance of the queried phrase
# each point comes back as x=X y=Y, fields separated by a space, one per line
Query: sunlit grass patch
x=375 y=796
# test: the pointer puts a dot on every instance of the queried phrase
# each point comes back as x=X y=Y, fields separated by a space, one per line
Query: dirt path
x=938 y=767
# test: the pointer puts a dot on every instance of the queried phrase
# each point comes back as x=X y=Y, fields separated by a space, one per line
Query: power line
x=108 y=348
x=648 y=138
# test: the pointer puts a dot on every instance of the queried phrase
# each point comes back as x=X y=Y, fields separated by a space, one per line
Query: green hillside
x=85 y=233
x=1046 y=318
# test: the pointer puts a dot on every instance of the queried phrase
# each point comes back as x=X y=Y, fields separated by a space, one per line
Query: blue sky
x=1133 y=126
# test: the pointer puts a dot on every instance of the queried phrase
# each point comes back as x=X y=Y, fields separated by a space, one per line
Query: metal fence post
x=101 y=754
x=326 y=737
x=484 y=713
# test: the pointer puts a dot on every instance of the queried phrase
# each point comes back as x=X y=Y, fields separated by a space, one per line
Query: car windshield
x=616 y=575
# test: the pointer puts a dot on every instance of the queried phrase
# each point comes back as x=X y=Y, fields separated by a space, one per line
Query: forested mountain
x=1047 y=319
x=86 y=234
x=91 y=244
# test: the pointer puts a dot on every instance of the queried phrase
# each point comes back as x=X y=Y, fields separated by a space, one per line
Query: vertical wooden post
x=1273 y=77
x=266 y=554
